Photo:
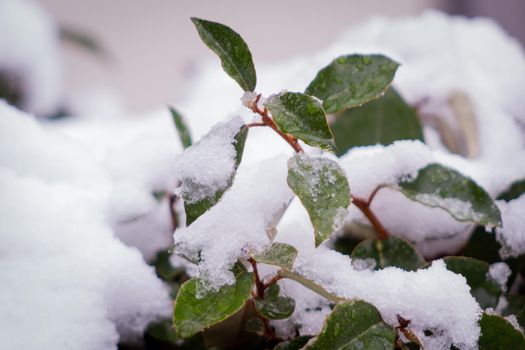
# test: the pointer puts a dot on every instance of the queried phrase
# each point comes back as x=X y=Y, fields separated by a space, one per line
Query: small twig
x=373 y=194
x=310 y=285
x=259 y=285
x=273 y=280
x=364 y=206
x=254 y=124
x=268 y=121
x=172 y=199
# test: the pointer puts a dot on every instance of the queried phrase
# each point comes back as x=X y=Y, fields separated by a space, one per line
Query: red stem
x=364 y=206
x=268 y=121
x=259 y=285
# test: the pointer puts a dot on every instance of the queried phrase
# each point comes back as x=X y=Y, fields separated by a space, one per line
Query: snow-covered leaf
x=392 y=251
x=278 y=254
x=207 y=168
x=498 y=334
x=236 y=58
x=515 y=190
x=323 y=188
x=273 y=306
x=382 y=121
x=352 y=80
x=485 y=290
x=181 y=127
x=303 y=117
x=193 y=314
x=446 y=188
x=354 y=325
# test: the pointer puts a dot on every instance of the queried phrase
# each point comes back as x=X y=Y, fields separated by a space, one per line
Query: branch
x=364 y=206
x=268 y=121
x=259 y=285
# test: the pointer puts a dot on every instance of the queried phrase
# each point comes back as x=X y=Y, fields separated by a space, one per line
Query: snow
x=371 y=166
x=136 y=154
x=433 y=299
x=511 y=234
x=206 y=167
x=238 y=223
x=64 y=274
x=499 y=272
x=29 y=51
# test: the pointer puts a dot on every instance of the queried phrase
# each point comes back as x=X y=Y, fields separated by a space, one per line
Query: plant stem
x=259 y=285
x=273 y=280
x=268 y=121
x=364 y=206
x=310 y=285
x=172 y=199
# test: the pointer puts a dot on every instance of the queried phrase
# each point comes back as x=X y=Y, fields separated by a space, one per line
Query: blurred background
x=152 y=47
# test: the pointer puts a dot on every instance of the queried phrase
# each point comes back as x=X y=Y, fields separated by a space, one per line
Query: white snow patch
x=511 y=235
x=64 y=274
x=238 y=223
x=433 y=299
x=207 y=166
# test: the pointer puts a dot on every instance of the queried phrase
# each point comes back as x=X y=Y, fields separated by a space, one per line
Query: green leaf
x=515 y=190
x=194 y=209
x=353 y=325
x=273 y=306
x=192 y=315
x=255 y=325
x=392 y=251
x=182 y=129
x=278 y=254
x=350 y=81
x=303 y=117
x=382 y=121
x=323 y=188
x=483 y=289
x=236 y=58
x=498 y=334
x=446 y=188
x=516 y=307
x=293 y=344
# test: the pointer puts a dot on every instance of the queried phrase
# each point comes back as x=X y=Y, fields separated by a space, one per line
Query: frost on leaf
x=443 y=187
x=322 y=187
x=278 y=254
x=207 y=168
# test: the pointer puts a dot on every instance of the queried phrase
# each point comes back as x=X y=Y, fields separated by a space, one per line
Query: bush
x=255 y=289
